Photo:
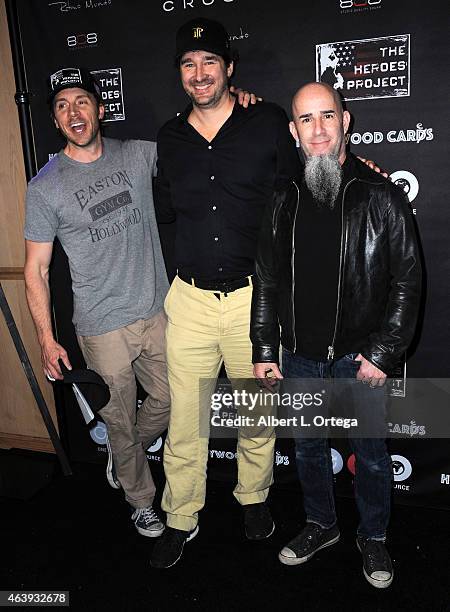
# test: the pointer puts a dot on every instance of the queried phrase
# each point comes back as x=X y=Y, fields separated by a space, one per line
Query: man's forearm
x=38 y=256
x=38 y=298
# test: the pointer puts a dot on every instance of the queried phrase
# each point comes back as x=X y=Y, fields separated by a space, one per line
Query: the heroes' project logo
x=369 y=68
x=110 y=81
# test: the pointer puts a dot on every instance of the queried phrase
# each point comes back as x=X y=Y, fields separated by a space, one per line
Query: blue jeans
x=373 y=479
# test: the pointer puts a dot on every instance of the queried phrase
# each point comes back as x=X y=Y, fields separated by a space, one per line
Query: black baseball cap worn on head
x=203 y=35
x=67 y=78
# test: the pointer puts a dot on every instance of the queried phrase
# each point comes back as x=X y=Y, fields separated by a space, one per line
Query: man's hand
x=244 y=98
x=370 y=374
x=372 y=165
x=267 y=373
x=51 y=351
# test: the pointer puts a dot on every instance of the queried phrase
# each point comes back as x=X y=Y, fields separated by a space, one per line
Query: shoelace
x=148 y=515
x=312 y=533
x=375 y=554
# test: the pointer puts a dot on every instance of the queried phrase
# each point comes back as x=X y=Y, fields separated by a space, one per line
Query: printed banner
x=110 y=82
x=369 y=68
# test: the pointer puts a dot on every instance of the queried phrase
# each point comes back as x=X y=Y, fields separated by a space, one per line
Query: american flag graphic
x=346 y=54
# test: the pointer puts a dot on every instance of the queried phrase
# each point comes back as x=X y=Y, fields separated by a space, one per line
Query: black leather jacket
x=379 y=281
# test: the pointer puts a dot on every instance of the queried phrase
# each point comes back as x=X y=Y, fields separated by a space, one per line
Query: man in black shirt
x=218 y=164
x=338 y=269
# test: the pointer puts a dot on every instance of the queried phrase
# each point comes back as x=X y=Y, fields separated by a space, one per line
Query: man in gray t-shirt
x=96 y=197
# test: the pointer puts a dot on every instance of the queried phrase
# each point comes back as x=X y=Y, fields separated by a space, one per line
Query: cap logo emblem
x=65 y=76
x=197 y=32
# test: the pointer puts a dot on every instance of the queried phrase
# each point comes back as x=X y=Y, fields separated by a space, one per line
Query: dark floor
x=75 y=534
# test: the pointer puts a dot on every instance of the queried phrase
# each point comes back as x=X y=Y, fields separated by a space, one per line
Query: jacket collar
x=355 y=168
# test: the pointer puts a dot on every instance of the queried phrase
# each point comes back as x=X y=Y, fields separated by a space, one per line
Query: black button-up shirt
x=217 y=190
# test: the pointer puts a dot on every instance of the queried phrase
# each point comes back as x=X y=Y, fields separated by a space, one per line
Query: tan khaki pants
x=203 y=331
x=118 y=356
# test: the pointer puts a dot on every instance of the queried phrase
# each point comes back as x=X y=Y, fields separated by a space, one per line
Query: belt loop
x=192 y=282
x=250 y=281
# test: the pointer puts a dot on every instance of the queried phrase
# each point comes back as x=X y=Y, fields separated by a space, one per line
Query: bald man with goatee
x=338 y=273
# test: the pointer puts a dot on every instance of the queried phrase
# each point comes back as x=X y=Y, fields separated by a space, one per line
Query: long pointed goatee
x=323 y=177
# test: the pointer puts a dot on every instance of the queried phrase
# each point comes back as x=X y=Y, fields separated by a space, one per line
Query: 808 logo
x=81 y=41
x=359 y=5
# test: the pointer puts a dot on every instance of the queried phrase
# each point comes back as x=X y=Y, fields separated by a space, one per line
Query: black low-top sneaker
x=311 y=539
x=169 y=548
x=377 y=564
x=258 y=521
x=147 y=522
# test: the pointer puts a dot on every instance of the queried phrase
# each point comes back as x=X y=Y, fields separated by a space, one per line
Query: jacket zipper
x=293 y=268
x=331 y=347
x=275 y=219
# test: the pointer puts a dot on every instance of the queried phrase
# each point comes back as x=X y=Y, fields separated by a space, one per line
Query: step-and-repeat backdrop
x=389 y=61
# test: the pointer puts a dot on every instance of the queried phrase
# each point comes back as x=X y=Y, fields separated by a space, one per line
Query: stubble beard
x=82 y=145
x=212 y=101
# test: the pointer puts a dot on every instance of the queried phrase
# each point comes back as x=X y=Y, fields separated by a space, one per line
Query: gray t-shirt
x=103 y=214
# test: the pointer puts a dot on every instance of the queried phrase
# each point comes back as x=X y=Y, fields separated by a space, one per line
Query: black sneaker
x=169 y=548
x=258 y=521
x=377 y=564
x=147 y=522
x=110 y=468
x=311 y=539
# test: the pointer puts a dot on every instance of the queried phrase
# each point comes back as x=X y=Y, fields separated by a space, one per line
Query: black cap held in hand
x=91 y=384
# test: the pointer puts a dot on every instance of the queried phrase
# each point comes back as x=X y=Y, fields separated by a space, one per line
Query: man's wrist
x=45 y=337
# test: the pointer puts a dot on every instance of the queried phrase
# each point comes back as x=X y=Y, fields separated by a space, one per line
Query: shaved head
x=313 y=88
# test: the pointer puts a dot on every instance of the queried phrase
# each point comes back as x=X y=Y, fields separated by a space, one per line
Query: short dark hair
x=226 y=58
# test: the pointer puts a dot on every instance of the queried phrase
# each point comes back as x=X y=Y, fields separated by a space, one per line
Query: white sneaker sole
x=262 y=537
x=150 y=533
x=378 y=584
x=193 y=533
x=115 y=484
x=300 y=560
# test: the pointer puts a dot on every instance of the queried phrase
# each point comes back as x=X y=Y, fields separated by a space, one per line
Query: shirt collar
x=238 y=113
